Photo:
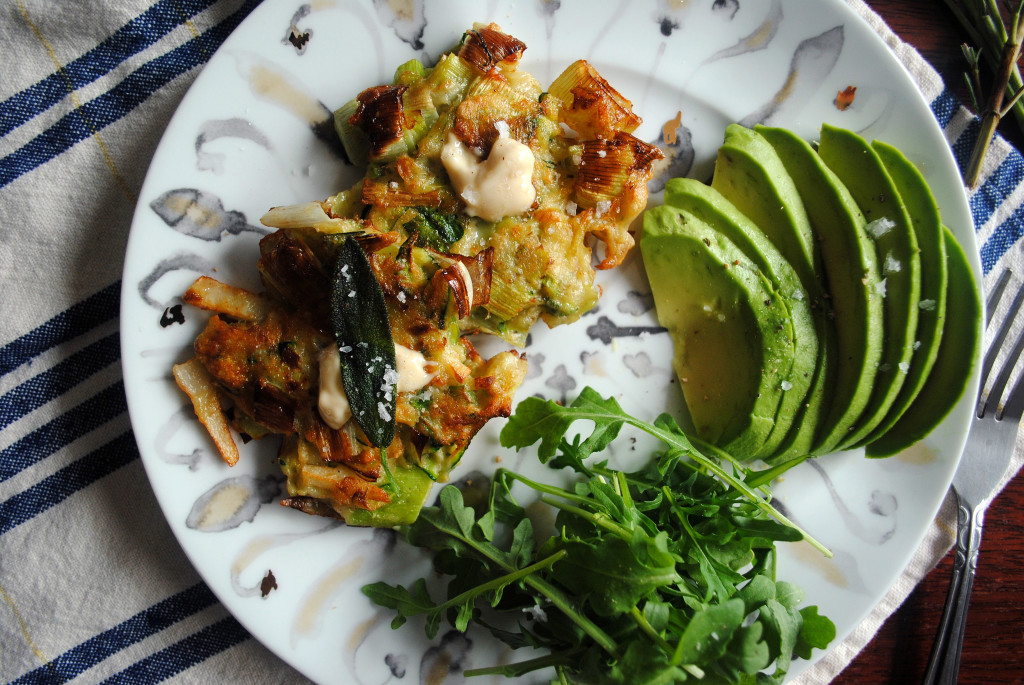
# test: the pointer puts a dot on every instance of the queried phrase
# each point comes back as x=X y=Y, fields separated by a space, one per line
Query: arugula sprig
x=548 y=422
x=655 y=576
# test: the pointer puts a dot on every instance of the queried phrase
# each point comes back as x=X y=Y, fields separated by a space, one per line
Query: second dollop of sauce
x=496 y=187
x=414 y=373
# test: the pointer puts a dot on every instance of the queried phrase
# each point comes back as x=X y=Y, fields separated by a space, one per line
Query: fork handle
x=944 y=662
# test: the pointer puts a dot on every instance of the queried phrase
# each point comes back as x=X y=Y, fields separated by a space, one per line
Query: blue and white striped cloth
x=93 y=586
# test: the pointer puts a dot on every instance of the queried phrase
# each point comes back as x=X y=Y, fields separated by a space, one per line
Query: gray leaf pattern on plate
x=184 y=261
x=235 y=127
x=185 y=416
x=881 y=504
x=606 y=330
x=561 y=381
x=272 y=84
x=676 y=143
x=231 y=502
x=726 y=7
x=536 y=367
x=397 y=663
x=812 y=61
x=667 y=25
x=640 y=364
x=593 y=364
x=373 y=550
x=758 y=39
x=405 y=17
x=547 y=9
x=259 y=545
x=444 y=663
x=200 y=214
x=636 y=303
x=295 y=36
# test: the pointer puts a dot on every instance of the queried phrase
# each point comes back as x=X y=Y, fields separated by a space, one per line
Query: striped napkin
x=93 y=586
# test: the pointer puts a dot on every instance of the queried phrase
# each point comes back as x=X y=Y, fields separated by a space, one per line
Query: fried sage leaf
x=359 y=318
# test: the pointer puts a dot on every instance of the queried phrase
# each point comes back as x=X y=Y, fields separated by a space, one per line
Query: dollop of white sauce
x=498 y=186
x=414 y=373
x=332 y=401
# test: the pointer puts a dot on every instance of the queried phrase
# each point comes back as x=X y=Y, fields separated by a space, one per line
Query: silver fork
x=986 y=456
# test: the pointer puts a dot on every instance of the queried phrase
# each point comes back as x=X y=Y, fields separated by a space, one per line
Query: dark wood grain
x=994 y=646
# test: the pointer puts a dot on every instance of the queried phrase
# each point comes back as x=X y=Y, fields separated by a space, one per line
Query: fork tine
x=996 y=344
x=998 y=388
x=995 y=296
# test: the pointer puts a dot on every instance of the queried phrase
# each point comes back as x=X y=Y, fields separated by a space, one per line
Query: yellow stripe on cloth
x=22 y=625
x=78 y=104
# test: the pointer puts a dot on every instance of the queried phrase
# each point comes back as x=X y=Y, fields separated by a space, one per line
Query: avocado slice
x=728 y=325
x=850 y=265
x=409 y=487
x=708 y=205
x=749 y=173
x=924 y=217
x=954 y=363
x=861 y=170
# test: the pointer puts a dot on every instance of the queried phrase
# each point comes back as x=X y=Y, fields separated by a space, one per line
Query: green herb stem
x=728 y=478
x=519 y=667
x=993 y=111
x=501 y=581
x=1000 y=48
x=598 y=520
x=549 y=591
x=563 y=604
x=545 y=488
x=648 y=630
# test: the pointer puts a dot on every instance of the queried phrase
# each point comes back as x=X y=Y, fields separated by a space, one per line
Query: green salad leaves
x=661 y=575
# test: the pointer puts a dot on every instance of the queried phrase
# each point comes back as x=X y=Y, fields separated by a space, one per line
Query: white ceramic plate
x=243 y=140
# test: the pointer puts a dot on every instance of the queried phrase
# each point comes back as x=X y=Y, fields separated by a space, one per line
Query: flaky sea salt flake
x=880 y=227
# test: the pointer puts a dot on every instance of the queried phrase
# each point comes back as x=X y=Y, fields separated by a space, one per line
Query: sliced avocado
x=850 y=266
x=859 y=167
x=408 y=489
x=924 y=217
x=708 y=205
x=961 y=339
x=728 y=325
x=749 y=173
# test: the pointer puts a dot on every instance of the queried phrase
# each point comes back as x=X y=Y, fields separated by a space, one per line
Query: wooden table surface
x=994 y=646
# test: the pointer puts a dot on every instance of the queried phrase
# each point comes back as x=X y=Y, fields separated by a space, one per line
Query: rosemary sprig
x=1000 y=47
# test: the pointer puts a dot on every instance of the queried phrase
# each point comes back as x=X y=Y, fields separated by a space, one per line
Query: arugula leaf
x=546 y=421
x=613 y=574
x=709 y=632
x=406 y=603
x=654 y=576
x=816 y=632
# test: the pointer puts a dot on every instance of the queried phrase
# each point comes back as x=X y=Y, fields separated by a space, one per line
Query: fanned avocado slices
x=927 y=224
x=730 y=328
x=750 y=174
x=850 y=266
x=836 y=257
x=961 y=339
x=798 y=371
x=859 y=167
